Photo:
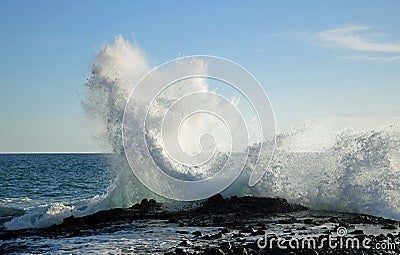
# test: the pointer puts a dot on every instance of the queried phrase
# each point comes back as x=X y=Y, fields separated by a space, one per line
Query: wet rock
x=213 y=251
x=74 y=233
x=288 y=221
x=309 y=221
x=243 y=205
x=179 y=251
x=182 y=232
x=380 y=237
x=215 y=201
x=228 y=216
x=357 y=232
x=334 y=220
x=239 y=251
x=146 y=204
x=257 y=232
x=390 y=236
x=218 y=219
x=172 y=220
x=345 y=225
x=247 y=230
x=225 y=230
x=205 y=237
x=226 y=245
x=185 y=243
x=217 y=236
x=389 y=227
x=196 y=233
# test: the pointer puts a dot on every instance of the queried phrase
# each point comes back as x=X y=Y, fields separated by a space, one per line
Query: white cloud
x=372 y=58
x=360 y=38
x=356 y=38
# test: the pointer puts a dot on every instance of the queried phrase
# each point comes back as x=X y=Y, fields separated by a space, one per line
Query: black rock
x=182 y=232
x=288 y=221
x=389 y=227
x=257 y=232
x=225 y=230
x=179 y=251
x=357 y=232
x=213 y=251
x=217 y=236
x=309 y=221
x=239 y=251
x=185 y=243
x=196 y=233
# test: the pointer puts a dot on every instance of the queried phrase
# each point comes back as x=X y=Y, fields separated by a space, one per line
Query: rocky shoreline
x=241 y=225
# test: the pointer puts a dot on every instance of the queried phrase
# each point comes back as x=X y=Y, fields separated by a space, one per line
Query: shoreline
x=237 y=223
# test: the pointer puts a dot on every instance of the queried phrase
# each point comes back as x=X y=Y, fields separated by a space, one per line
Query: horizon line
x=57 y=152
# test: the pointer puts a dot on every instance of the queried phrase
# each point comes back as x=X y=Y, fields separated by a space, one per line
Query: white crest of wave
x=114 y=74
x=318 y=165
x=348 y=170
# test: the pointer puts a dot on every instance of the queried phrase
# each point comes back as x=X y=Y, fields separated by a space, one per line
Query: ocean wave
x=14 y=200
x=346 y=170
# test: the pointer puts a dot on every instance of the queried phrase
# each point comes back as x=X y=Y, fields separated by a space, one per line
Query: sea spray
x=114 y=72
x=342 y=170
x=353 y=171
x=321 y=165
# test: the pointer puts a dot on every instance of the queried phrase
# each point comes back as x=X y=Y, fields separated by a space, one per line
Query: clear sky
x=314 y=58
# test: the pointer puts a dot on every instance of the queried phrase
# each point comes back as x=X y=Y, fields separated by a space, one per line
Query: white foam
x=318 y=165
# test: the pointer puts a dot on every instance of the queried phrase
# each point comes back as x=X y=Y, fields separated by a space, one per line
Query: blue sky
x=314 y=58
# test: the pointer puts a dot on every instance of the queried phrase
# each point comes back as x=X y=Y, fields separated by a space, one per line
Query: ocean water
x=353 y=168
x=359 y=173
x=344 y=169
x=349 y=164
x=38 y=190
x=32 y=181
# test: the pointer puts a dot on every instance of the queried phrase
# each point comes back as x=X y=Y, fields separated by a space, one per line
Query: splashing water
x=346 y=170
x=355 y=171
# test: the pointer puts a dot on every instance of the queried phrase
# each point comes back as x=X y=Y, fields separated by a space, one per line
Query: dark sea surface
x=29 y=182
x=39 y=190
x=36 y=179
